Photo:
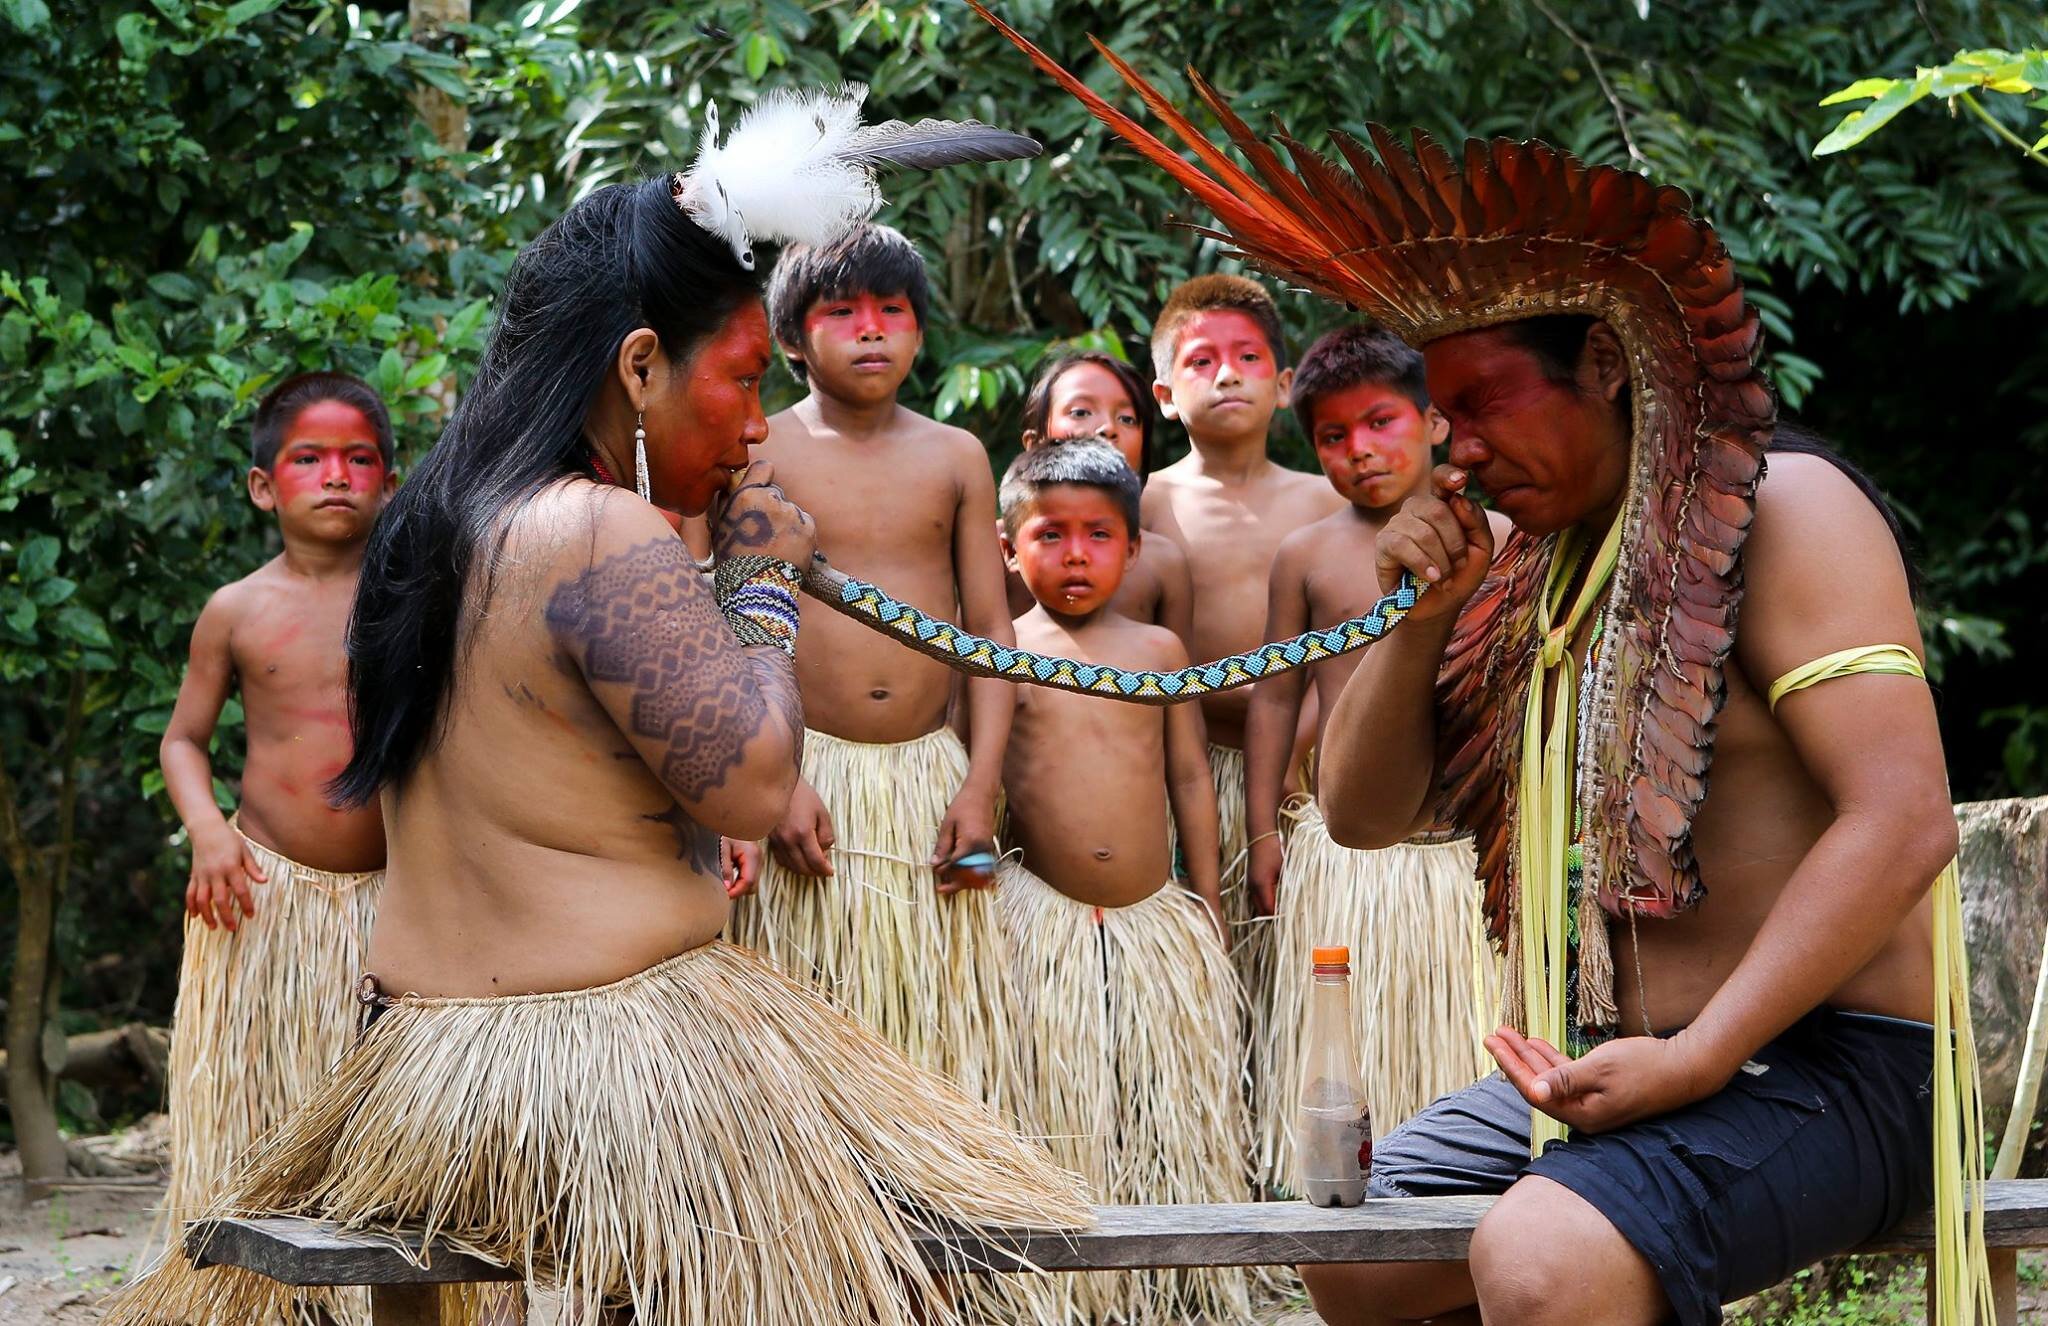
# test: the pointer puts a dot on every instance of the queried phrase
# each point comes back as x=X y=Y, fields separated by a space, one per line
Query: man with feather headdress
x=1748 y=1008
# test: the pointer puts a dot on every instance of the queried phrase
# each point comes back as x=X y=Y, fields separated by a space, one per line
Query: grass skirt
x=1130 y=1020
x=926 y=972
x=705 y=1141
x=1423 y=984
x=263 y=1014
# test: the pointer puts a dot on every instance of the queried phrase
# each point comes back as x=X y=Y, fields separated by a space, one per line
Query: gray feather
x=929 y=144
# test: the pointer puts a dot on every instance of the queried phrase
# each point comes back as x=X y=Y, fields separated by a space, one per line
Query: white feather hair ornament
x=800 y=165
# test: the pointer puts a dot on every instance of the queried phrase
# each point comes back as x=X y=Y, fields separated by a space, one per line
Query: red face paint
x=859 y=349
x=1225 y=375
x=698 y=437
x=1373 y=443
x=1547 y=454
x=1087 y=400
x=1073 y=548
x=329 y=477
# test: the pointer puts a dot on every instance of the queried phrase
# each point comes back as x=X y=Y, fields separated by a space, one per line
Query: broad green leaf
x=1859 y=125
x=83 y=625
x=175 y=286
x=242 y=12
x=38 y=557
x=1862 y=89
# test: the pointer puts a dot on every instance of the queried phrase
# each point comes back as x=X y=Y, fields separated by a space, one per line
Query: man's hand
x=805 y=835
x=742 y=867
x=969 y=828
x=219 y=892
x=1444 y=539
x=1262 y=874
x=1634 y=1077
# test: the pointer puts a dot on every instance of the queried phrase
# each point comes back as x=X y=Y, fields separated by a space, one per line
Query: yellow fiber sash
x=1962 y=1276
x=1547 y=781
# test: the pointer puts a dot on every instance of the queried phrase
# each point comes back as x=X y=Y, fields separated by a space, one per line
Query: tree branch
x=1635 y=153
x=2003 y=132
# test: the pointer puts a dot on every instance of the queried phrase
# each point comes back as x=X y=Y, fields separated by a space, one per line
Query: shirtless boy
x=1412 y=909
x=282 y=894
x=1093 y=394
x=861 y=895
x=1128 y=1005
x=1220 y=363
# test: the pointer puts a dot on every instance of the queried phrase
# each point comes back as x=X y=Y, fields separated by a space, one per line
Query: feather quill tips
x=799 y=166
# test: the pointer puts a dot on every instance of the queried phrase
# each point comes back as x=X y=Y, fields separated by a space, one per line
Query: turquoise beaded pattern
x=975 y=654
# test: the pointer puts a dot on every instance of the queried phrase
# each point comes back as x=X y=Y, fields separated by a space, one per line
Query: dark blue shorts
x=1823 y=1141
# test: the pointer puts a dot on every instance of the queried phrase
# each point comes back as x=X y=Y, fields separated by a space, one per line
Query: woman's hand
x=742 y=867
x=1443 y=539
x=759 y=520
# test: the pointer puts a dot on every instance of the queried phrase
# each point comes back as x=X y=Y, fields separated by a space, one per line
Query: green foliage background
x=196 y=198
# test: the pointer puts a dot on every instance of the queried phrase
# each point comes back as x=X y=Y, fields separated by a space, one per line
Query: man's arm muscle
x=1823 y=574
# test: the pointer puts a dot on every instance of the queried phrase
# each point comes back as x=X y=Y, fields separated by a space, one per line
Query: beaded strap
x=758 y=597
x=963 y=651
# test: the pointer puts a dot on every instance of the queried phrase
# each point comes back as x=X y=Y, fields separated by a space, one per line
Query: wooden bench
x=1420 y=1229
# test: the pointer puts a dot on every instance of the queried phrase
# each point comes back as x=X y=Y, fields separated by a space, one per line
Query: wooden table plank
x=304 y=1252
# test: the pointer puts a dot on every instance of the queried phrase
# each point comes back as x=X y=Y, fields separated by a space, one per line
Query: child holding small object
x=1409 y=913
x=1128 y=1007
x=871 y=892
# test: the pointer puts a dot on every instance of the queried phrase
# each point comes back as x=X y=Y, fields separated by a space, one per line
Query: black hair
x=1351 y=356
x=1555 y=341
x=1795 y=438
x=624 y=257
x=1038 y=401
x=280 y=407
x=870 y=259
x=1082 y=462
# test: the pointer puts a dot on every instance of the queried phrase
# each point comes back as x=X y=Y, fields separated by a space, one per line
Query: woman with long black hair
x=563 y=1067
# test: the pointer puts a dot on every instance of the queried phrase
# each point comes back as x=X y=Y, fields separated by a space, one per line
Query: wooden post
x=447 y=117
x=405 y=1305
x=34 y=1043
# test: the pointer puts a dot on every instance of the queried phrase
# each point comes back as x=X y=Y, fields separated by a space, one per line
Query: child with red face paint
x=876 y=887
x=282 y=893
x=1129 y=1008
x=1094 y=395
x=1410 y=912
x=1220 y=364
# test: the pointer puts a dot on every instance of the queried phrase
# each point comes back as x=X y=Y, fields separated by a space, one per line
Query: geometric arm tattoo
x=645 y=618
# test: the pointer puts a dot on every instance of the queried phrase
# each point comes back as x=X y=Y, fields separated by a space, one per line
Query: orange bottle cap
x=1335 y=956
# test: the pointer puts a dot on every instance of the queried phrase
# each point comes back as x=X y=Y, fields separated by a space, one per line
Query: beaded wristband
x=758 y=597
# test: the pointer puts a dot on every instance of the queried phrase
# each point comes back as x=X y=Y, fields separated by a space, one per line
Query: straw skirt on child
x=263 y=1013
x=1129 y=1025
x=925 y=971
x=1423 y=986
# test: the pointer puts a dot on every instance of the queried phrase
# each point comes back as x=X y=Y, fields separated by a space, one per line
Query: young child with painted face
x=282 y=893
x=1409 y=912
x=1091 y=394
x=876 y=884
x=1128 y=1004
x=1221 y=371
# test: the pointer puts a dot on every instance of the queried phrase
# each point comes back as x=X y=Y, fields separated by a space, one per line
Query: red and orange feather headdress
x=1430 y=245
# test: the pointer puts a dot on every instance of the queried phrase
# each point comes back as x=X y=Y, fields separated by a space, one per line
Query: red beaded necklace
x=598 y=467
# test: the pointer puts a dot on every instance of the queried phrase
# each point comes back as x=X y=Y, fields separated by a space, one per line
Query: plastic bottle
x=1333 y=1132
